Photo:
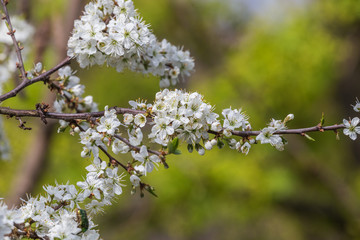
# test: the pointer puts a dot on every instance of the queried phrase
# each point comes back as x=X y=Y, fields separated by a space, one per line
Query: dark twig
x=18 y=49
x=22 y=124
x=127 y=142
x=62 y=116
x=111 y=158
x=43 y=77
x=300 y=131
x=76 y=116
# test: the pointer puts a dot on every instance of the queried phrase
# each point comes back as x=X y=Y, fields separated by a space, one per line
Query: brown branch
x=300 y=131
x=43 y=77
x=127 y=142
x=112 y=159
x=75 y=116
x=20 y=64
x=62 y=116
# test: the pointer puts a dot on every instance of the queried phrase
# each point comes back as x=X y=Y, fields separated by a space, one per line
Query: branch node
x=22 y=124
x=42 y=109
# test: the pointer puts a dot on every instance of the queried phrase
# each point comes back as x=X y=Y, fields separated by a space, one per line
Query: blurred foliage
x=294 y=64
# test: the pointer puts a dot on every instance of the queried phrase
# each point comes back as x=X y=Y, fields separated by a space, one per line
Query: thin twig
x=20 y=64
x=86 y=116
x=63 y=116
x=127 y=142
x=43 y=77
x=299 y=131
x=111 y=158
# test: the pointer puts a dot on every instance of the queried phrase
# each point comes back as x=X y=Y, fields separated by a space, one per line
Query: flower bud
x=216 y=127
x=227 y=132
x=213 y=142
x=289 y=117
x=208 y=145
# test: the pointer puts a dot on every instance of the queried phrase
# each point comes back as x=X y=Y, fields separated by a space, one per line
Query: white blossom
x=351 y=128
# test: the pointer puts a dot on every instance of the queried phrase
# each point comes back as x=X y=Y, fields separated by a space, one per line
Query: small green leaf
x=322 y=120
x=337 y=135
x=220 y=144
x=190 y=148
x=308 y=137
x=175 y=142
x=177 y=152
x=173 y=145
x=150 y=190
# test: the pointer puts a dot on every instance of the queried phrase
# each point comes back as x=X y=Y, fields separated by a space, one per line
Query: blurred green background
x=270 y=58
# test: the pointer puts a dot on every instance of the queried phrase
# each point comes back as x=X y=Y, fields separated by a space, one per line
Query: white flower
x=267 y=136
x=128 y=118
x=227 y=132
x=135 y=136
x=119 y=146
x=109 y=122
x=351 y=128
x=135 y=180
x=140 y=120
x=277 y=125
x=208 y=145
x=234 y=119
x=143 y=157
x=245 y=148
x=356 y=107
x=95 y=207
x=65 y=226
x=114 y=180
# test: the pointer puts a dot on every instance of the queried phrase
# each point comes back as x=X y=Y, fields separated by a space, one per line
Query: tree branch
x=300 y=131
x=62 y=116
x=43 y=77
x=127 y=142
x=86 y=116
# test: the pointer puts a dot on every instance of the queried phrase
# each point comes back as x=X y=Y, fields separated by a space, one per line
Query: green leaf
x=177 y=152
x=173 y=145
x=220 y=144
x=322 y=120
x=308 y=137
x=150 y=190
x=190 y=148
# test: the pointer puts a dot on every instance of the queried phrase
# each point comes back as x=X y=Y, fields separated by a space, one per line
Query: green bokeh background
x=304 y=61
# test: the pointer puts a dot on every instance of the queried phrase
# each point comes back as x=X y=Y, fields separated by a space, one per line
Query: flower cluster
x=102 y=184
x=102 y=135
x=8 y=58
x=52 y=216
x=70 y=93
x=7 y=219
x=182 y=114
x=112 y=32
